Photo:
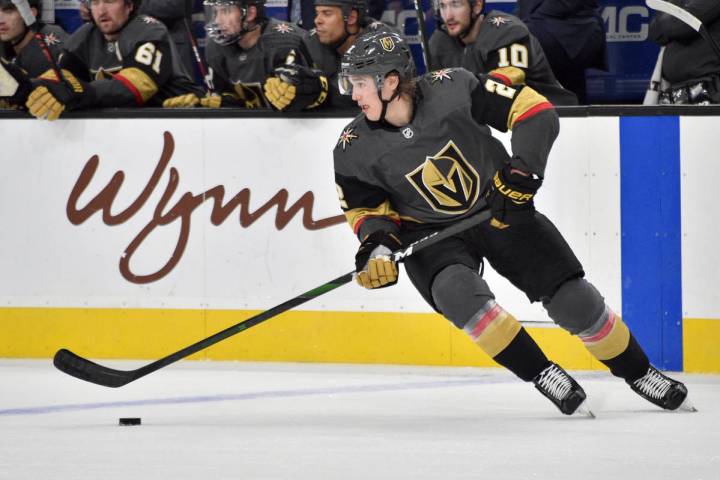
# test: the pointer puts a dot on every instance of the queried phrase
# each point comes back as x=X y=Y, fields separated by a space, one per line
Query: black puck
x=129 y=421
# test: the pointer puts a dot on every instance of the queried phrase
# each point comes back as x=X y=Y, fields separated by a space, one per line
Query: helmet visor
x=225 y=21
x=361 y=84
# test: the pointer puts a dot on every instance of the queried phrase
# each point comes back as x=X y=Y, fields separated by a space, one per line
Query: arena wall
x=133 y=237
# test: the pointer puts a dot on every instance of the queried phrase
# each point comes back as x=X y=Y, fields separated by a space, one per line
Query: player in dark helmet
x=17 y=43
x=120 y=59
x=377 y=54
x=495 y=41
x=338 y=23
x=419 y=157
x=258 y=62
x=229 y=19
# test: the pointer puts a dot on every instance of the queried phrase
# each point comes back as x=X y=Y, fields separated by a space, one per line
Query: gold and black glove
x=51 y=96
x=510 y=197
x=187 y=100
x=374 y=264
x=295 y=87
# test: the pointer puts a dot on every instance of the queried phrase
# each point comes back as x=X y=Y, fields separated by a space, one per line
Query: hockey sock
x=502 y=337
x=611 y=342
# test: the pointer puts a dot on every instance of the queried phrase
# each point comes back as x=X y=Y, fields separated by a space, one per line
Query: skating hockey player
x=419 y=157
x=496 y=42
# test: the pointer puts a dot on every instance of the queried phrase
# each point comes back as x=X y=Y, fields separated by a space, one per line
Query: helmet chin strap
x=386 y=103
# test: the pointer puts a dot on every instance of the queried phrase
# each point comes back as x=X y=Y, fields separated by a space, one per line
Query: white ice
x=216 y=420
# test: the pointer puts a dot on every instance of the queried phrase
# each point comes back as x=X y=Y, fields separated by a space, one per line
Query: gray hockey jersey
x=505 y=45
x=435 y=169
x=141 y=67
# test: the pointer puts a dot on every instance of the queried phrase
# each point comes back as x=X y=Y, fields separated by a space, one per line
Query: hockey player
x=119 y=60
x=496 y=42
x=419 y=157
x=18 y=44
x=255 y=58
x=337 y=24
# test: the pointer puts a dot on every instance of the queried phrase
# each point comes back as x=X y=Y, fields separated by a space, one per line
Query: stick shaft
x=84 y=369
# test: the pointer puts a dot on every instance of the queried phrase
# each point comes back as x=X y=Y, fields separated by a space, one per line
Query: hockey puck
x=129 y=421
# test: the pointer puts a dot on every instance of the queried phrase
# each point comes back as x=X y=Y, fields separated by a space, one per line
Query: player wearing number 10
x=494 y=42
x=120 y=59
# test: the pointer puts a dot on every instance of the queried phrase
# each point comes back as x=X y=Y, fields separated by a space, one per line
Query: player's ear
x=478 y=7
x=352 y=18
x=34 y=12
x=251 y=15
x=392 y=81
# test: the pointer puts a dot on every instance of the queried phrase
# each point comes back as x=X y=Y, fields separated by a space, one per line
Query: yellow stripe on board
x=296 y=336
x=701 y=345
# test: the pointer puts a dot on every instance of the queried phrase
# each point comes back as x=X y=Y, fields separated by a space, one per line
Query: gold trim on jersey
x=145 y=85
x=514 y=74
x=357 y=215
x=105 y=73
x=525 y=101
x=447 y=181
x=67 y=77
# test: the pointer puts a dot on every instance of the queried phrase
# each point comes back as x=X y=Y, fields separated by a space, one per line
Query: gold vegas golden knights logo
x=447 y=181
x=387 y=44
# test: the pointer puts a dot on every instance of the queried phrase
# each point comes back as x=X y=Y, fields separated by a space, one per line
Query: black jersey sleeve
x=519 y=108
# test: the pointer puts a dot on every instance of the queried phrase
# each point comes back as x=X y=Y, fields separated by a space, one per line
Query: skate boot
x=661 y=390
x=561 y=389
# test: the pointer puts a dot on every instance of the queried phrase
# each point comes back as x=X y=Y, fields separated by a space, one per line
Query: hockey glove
x=51 y=97
x=294 y=87
x=374 y=264
x=14 y=83
x=182 y=101
x=510 y=197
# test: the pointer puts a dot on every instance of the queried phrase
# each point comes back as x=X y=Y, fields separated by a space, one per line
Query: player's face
x=229 y=19
x=110 y=15
x=329 y=24
x=12 y=26
x=365 y=94
x=456 y=15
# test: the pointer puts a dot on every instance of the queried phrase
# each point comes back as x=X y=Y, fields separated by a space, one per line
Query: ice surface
x=216 y=420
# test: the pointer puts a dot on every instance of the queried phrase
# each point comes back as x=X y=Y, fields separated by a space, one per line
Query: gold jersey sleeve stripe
x=526 y=104
x=509 y=75
x=67 y=77
x=356 y=216
x=139 y=83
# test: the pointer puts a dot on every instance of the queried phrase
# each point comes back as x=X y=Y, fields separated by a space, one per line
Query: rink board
x=165 y=266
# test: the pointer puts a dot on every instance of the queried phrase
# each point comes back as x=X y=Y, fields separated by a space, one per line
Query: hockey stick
x=684 y=16
x=198 y=59
x=423 y=34
x=84 y=369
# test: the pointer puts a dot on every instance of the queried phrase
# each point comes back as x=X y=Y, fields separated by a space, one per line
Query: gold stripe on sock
x=612 y=344
x=498 y=334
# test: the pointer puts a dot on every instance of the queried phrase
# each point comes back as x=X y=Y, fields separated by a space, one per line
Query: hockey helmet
x=213 y=29
x=376 y=54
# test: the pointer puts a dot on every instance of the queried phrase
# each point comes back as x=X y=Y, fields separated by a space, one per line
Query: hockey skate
x=663 y=391
x=562 y=390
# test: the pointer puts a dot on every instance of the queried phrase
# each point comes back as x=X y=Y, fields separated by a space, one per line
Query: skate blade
x=583 y=411
x=687 y=406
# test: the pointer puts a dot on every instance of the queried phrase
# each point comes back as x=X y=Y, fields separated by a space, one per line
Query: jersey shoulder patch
x=498 y=30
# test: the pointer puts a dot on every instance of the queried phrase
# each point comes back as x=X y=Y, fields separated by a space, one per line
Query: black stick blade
x=79 y=367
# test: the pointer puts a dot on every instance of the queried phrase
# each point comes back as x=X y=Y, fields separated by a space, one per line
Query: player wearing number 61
x=495 y=41
x=119 y=59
